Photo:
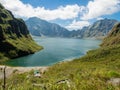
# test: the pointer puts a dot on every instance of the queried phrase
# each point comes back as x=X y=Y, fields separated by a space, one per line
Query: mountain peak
x=34 y=18
x=41 y=27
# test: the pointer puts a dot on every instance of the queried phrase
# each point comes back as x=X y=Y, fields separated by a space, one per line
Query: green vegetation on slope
x=113 y=37
x=15 y=40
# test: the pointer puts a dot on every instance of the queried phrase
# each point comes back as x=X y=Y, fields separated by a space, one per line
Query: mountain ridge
x=40 y=27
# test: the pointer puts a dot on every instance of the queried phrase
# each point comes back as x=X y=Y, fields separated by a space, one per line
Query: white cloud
x=100 y=18
x=99 y=8
x=75 y=25
x=26 y=10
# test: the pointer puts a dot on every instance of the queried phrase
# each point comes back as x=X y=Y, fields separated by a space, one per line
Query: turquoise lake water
x=56 y=50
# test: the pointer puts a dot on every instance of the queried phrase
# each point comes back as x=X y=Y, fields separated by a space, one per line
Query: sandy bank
x=10 y=70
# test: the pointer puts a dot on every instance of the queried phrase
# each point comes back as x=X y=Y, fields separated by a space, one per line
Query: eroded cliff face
x=15 y=40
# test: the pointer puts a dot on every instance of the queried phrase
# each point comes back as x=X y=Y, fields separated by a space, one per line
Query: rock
x=114 y=81
x=3 y=15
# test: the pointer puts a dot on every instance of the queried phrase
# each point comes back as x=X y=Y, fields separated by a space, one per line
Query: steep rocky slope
x=98 y=29
x=41 y=27
x=15 y=40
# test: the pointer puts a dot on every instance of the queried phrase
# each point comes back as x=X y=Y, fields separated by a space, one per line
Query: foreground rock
x=114 y=81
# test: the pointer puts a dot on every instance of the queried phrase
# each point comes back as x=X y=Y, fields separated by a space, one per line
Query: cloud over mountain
x=75 y=25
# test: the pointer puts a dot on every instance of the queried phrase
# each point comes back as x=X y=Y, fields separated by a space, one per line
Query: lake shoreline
x=40 y=57
x=10 y=69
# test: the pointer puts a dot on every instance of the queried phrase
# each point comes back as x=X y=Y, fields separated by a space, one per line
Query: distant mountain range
x=39 y=27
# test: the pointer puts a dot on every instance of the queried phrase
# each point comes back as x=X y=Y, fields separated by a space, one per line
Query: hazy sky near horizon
x=72 y=14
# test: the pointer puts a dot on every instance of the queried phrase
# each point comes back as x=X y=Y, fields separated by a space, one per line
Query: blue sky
x=71 y=14
x=53 y=4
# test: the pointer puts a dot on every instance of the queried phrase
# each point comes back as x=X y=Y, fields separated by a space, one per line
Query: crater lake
x=56 y=50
